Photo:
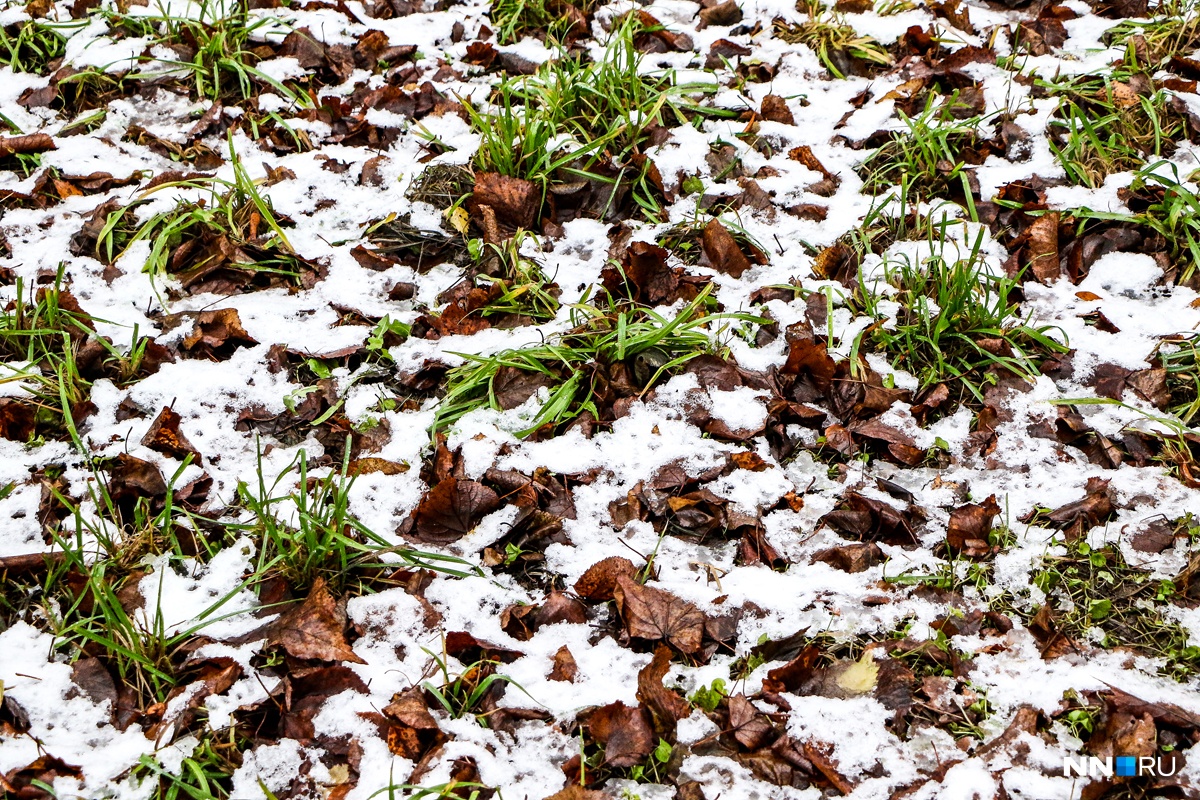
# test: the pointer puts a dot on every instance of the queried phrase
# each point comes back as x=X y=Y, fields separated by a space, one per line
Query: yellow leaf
x=458 y=219
x=860 y=677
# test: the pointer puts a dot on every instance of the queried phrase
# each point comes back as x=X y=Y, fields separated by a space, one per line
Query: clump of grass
x=308 y=532
x=1174 y=31
x=47 y=335
x=1180 y=357
x=1096 y=596
x=955 y=321
x=573 y=362
x=218 y=53
x=1102 y=127
x=206 y=774
x=514 y=19
x=466 y=694
x=929 y=158
x=839 y=47
x=522 y=289
x=574 y=116
x=236 y=227
x=30 y=46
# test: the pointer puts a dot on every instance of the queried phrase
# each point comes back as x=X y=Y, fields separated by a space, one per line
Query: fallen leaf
x=451 y=510
x=969 y=527
x=515 y=201
x=721 y=251
x=599 y=580
x=775 y=109
x=624 y=731
x=859 y=677
x=665 y=706
x=165 y=437
x=750 y=727
x=565 y=668
x=216 y=335
x=314 y=630
x=658 y=615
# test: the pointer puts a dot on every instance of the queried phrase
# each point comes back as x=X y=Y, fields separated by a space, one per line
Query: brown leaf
x=25 y=145
x=515 y=201
x=748 y=460
x=132 y=478
x=1042 y=249
x=665 y=706
x=721 y=13
x=565 y=668
x=409 y=708
x=577 y=792
x=216 y=335
x=599 y=580
x=872 y=520
x=644 y=270
x=1077 y=517
x=810 y=357
x=795 y=673
x=514 y=386
x=658 y=615
x=775 y=109
x=165 y=437
x=371 y=464
x=749 y=725
x=1151 y=386
x=624 y=731
x=314 y=630
x=721 y=251
x=18 y=783
x=17 y=420
x=451 y=510
x=851 y=557
x=969 y=527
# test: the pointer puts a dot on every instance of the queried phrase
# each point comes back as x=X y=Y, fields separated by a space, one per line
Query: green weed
x=835 y=42
x=573 y=116
x=218 y=53
x=1102 y=127
x=573 y=361
x=308 y=532
x=31 y=46
x=1096 y=596
x=1173 y=31
x=929 y=158
x=514 y=19
x=955 y=321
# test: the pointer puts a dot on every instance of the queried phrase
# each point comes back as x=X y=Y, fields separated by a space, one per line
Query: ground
x=555 y=399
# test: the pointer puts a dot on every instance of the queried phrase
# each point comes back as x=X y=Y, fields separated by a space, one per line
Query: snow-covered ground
x=988 y=707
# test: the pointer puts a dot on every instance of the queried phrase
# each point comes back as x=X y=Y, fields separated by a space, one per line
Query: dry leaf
x=314 y=630
x=658 y=615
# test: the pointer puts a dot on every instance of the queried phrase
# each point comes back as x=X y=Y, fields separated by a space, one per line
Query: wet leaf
x=625 y=732
x=597 y=583
x=565 y=668
x=451 y=510
x=969 y=527
x=658 y=615
x=750 y=727
x=665 y=706
x=314 y=630
x=721 y=251
x=165 y=437
x=514 y=201
x=216 y=335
